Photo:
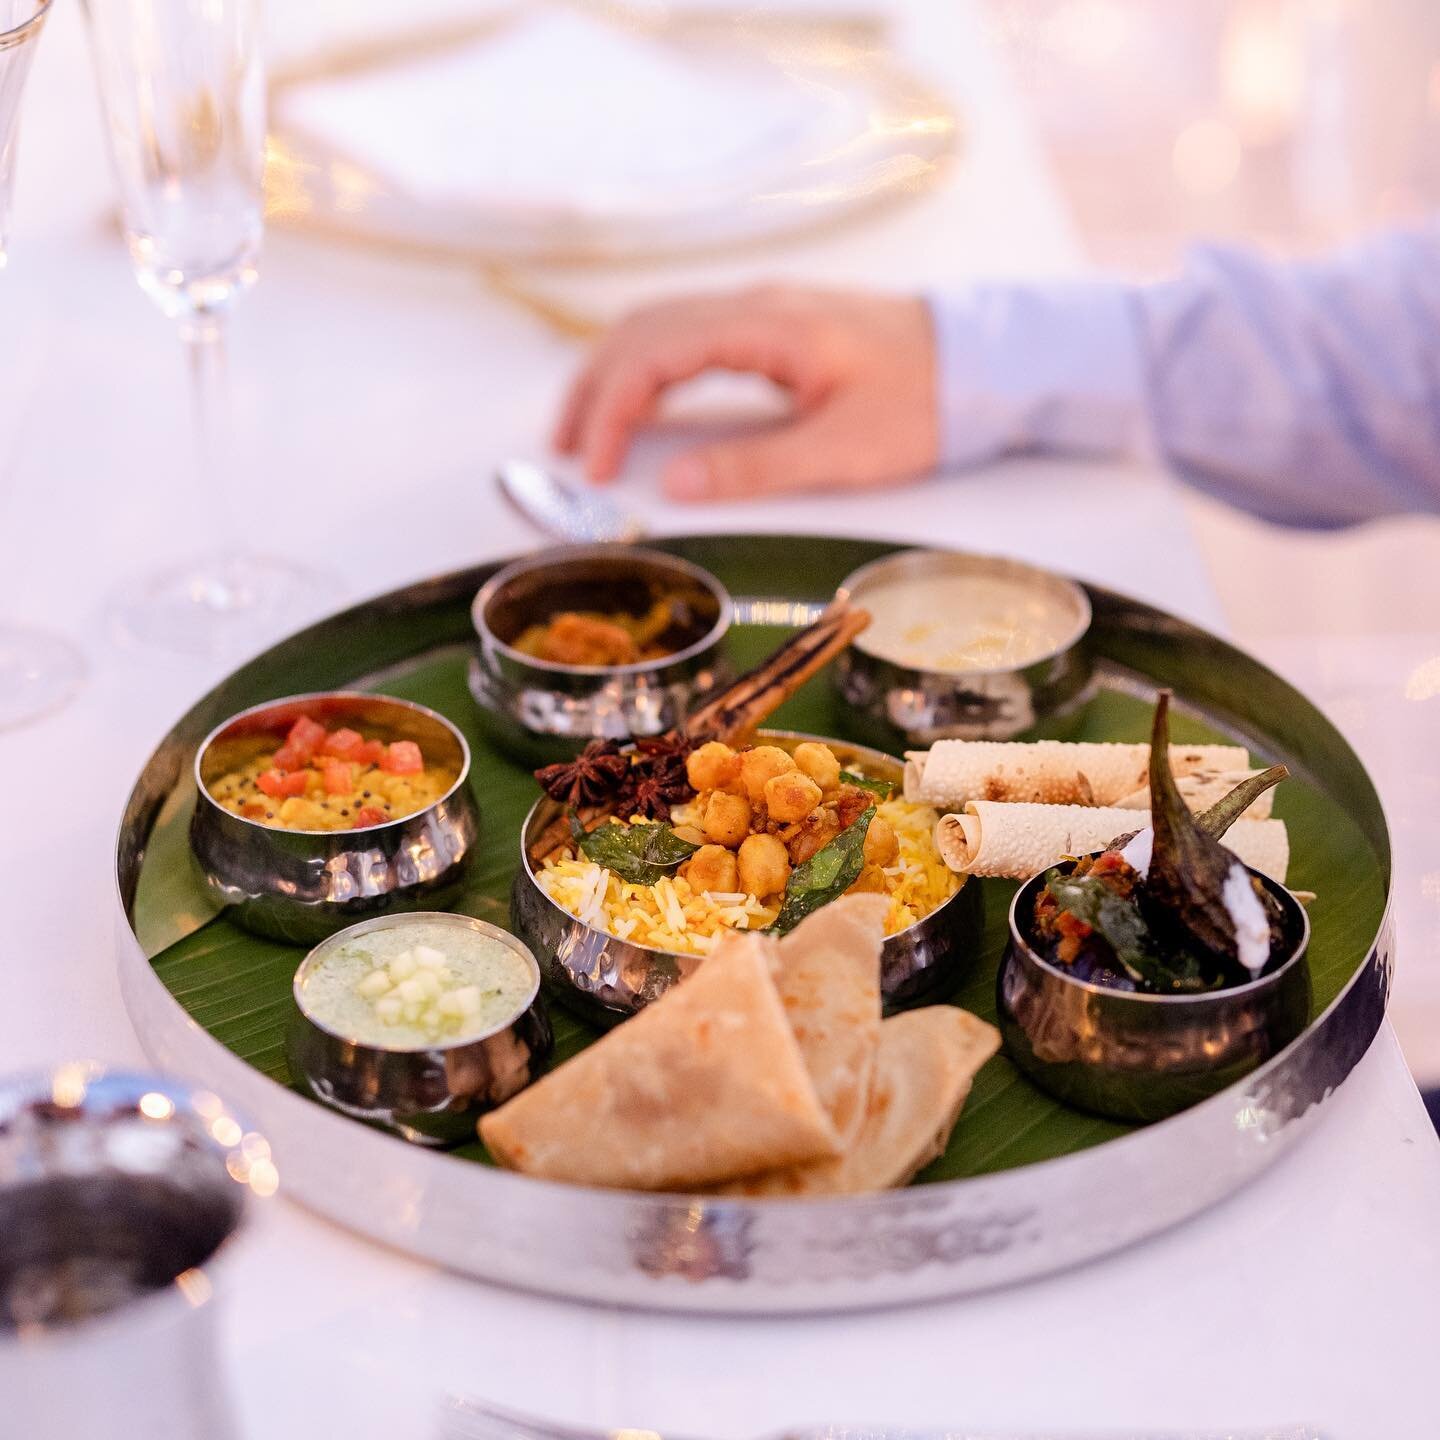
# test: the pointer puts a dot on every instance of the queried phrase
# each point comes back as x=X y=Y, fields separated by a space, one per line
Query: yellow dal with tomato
x=332 y=780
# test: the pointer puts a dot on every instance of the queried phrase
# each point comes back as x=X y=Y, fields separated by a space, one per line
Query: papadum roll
x=1204 y=788
x=1014 y=842
x=1047 y=772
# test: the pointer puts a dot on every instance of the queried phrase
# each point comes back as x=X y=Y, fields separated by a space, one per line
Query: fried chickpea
x=871 y=880
x=819 y=763
x=714 y=766
x=882 y=846
x=764 y=866
x=726 y=819
x=791 y=797
x=760 y=765
x=712 y=867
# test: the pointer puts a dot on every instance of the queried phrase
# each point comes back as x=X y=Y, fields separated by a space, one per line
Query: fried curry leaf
x=1120 y=924
x=825 y=876
x=641 y=853
x=883 y=788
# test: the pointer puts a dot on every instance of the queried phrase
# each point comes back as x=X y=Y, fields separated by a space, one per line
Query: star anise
x=657 y=778
x=652 y=795
x=667 y=749
x=593 y=777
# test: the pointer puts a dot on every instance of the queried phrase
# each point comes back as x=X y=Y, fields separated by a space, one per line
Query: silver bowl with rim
x=539 y=711
x=896 y=703
x=302 y=885
x=605 y=979
x=1134 y=1056
x=431 y=1095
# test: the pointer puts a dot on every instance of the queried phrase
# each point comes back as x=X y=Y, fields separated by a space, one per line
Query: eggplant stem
x=1229 y=808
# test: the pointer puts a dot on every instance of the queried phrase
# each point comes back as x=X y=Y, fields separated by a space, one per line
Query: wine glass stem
x=204 y=337
x=203 y=334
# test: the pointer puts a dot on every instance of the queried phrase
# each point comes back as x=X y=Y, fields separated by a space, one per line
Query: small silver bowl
x=302 y=885
x=539 y=711
x=605 y=979
x=1139 y=1057
x=896 y=704
x=431 y=1096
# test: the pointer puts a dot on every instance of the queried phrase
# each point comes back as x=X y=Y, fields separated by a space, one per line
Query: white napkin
x=559 y=112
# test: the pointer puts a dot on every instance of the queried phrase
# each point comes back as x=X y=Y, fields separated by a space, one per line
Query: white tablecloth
x=368 y=391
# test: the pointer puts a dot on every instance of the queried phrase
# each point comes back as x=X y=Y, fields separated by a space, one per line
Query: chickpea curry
x=321 y=779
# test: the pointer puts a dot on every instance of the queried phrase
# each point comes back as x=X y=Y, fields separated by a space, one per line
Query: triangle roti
x=705 y=1084
x=827 y=971
x=924 y=1067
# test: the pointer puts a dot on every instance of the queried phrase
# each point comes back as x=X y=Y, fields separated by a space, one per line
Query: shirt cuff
x=1053 y=367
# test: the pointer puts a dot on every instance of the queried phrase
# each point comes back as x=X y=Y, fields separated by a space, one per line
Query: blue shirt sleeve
x=1308 y=393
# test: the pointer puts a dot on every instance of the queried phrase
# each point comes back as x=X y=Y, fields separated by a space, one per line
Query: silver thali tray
x=676 y=1252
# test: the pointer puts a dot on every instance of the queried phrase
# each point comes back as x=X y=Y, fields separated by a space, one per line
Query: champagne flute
x=183 y=88
x=38 y=671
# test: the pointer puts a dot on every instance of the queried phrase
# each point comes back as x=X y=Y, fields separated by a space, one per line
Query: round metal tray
x=703 y=1254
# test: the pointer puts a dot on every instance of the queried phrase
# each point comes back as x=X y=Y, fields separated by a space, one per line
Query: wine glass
x=182 y=84
x=38 y=671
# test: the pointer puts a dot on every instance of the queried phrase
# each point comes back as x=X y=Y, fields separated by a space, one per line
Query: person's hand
x=859 y=369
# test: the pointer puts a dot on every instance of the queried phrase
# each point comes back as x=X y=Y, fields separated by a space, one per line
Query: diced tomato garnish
x=369 y=815
x=300 y=744
x=403 y=758
x=372 y=752
x=278 y=784
x=343 y=744
x=339 y=777
x=253 y=809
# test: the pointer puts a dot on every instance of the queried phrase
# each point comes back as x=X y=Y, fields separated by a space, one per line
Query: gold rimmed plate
x=849 y=129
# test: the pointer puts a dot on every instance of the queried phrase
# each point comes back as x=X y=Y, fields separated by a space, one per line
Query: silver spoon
x=583 y=517
x=578 y=517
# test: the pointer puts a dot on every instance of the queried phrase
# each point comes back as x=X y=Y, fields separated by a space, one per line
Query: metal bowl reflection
x=605 y=979
x=302 y=885
x=431 y=1096
x=1141 y=1057
x=897 y=704
x=539 y=711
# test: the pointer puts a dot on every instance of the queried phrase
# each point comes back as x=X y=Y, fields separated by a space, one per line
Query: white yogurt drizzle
x=1137 y=851
x=1242 y=904
x=1247 y=915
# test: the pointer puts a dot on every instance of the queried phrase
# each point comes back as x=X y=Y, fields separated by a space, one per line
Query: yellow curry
x=323 y=779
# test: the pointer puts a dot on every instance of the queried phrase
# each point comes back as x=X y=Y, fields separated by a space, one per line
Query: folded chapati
x=705 y=1084
x=926 y=1062
x=1017 y=841
x=827 y=971
x=1048 y=772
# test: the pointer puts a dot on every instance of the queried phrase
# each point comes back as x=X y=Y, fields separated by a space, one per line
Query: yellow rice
x=669 y=915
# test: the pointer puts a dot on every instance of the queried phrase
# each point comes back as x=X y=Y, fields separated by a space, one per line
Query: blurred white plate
x=554 y=134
